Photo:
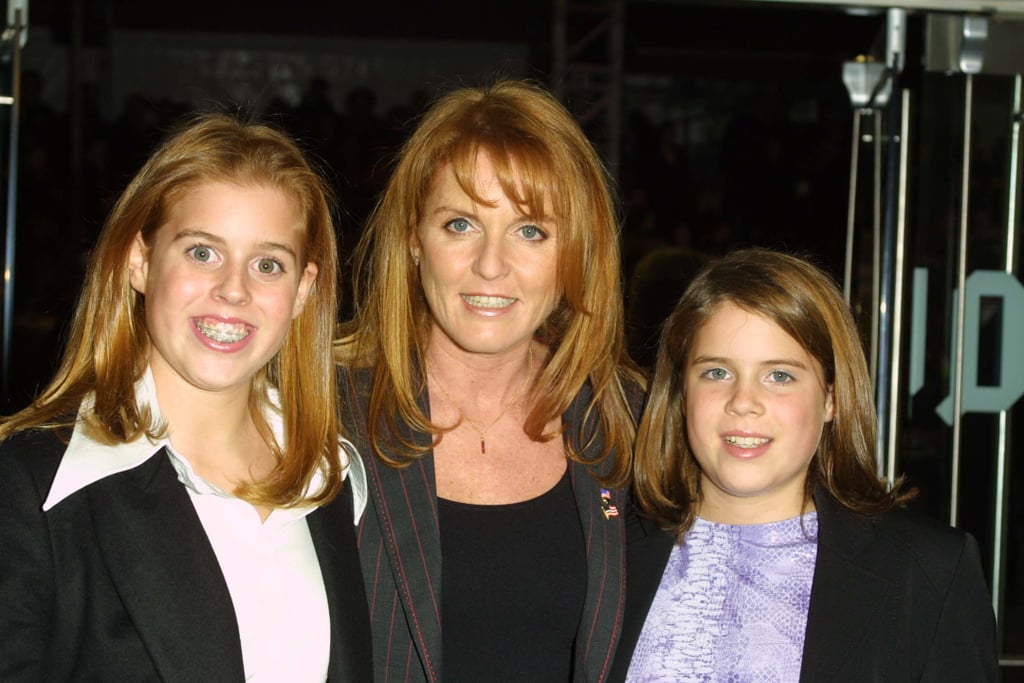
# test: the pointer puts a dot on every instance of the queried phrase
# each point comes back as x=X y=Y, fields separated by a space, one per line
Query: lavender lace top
x=732 y=605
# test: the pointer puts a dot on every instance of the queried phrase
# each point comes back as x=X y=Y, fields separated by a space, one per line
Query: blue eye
x=458 y=225
x=781 y=376
x=200 y=253
x=717 y=374
x=532 y=233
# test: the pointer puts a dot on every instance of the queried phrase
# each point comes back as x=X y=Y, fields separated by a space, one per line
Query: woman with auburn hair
x=486 y=379
x=174 y=505
x=775 y=552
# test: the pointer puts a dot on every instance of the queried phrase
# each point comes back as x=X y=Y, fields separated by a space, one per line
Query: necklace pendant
x=483 y=445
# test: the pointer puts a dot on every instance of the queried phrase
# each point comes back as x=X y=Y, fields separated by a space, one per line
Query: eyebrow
x=790 y=362
x=547 y=220
x=451 y=209
x=192 y=233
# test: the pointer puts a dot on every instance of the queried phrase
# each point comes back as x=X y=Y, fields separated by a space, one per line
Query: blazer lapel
x=406 y=507
x=403 y=502
x=603 y=531
x=331 y=528
x=647 y=551
x=846 y=597
x=167 y=573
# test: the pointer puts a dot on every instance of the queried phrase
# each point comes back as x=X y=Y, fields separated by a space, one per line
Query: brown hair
x=108 y=344
x=540 y=155
x=805 y=302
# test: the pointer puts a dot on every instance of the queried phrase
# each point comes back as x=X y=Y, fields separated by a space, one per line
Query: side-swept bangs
x=525 y=174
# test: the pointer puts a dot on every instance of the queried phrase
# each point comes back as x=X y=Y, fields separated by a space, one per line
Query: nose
x=232 y=285
x=491 y=260
x=745 y=399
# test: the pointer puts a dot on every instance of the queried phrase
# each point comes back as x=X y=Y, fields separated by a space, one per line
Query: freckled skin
x=468 y=249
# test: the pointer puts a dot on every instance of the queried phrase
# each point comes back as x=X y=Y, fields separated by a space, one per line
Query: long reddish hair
x=108 y=344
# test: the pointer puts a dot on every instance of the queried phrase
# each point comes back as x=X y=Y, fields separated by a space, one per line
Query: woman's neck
x=481 y=373
x=216 y=433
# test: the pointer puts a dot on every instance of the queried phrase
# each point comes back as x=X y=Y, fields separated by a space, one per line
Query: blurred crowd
x=770 y=181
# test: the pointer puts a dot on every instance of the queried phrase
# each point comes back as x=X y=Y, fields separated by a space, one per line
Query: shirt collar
x=87 y=461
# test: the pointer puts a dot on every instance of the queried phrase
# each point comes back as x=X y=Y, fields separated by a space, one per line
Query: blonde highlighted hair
x=542 y=159
x=805 y=302
x=108 y=344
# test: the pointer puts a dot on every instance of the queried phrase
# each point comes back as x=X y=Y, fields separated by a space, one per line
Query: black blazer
x=897 y=597
x=118 y=582
x=400 y=547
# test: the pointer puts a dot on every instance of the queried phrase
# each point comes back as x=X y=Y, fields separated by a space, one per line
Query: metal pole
x=851 y=210
x=961 y=306
x=895 y=46
x=876 y=223
x=897 y=298
x=886 y=276
x=999 y=533
x=12 y=199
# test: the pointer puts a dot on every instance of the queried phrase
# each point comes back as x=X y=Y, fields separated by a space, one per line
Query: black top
x=513 y=588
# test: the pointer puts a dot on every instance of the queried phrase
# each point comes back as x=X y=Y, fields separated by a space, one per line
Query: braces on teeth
x=225 y=333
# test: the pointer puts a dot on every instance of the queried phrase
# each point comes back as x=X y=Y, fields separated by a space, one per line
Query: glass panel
x=925 y=440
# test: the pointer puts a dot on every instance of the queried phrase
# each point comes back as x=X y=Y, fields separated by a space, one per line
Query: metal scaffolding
x=588 y=68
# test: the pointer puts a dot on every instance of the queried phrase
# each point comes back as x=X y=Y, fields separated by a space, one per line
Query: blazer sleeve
x=26 y=561
x=964 y=645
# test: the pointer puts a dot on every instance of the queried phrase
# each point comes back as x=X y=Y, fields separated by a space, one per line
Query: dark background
x=735 y=131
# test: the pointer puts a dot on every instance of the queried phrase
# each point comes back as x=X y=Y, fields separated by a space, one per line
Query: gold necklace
x=515 y=397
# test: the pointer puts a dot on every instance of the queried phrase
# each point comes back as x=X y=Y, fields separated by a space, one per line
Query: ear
x=138 y=264
x=306 y=281
x=830 y=409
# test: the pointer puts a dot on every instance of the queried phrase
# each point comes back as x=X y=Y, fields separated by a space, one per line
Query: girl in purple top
x=775 y=552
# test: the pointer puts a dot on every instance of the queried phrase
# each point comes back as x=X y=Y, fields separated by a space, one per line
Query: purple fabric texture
x=732 y=605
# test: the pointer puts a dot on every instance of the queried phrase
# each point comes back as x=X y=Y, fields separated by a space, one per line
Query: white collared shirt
x=270 y=567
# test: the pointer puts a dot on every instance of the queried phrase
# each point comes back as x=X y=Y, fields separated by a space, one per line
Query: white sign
x=975 y=397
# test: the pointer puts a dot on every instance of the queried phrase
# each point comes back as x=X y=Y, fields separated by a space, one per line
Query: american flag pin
x=607 y=508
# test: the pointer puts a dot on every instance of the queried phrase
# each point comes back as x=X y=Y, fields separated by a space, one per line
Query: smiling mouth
x=746 y=441
x=222 y=332
x=488 y=301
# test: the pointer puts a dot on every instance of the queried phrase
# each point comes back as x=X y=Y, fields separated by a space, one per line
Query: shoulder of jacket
x=33 y=452
x=932 y=547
